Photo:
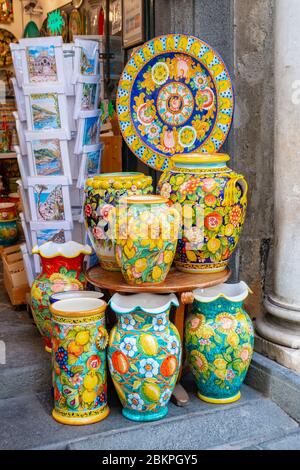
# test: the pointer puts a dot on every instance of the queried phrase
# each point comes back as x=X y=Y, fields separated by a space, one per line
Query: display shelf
x=5 y=156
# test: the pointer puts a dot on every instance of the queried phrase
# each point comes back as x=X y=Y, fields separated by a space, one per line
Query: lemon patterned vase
x=219 y=342
x=102 y=194
x=147 y=235
x=79 y=361
x=62 y=270
x=212 y=200
x=144 y=354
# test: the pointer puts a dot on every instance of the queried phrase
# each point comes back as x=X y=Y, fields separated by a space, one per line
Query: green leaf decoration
x=136 y=385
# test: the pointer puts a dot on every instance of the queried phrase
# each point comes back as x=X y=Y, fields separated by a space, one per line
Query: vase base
x=110 y=267
x=148 y=416
x=196 y=269
x=219 y=401
x=80 y=421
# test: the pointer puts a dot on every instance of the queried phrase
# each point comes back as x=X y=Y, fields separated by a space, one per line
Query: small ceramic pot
x=102 y=195
x=8 y=232
x=8 y=211
x=147 y=235
x=62 y=270
x=75 y=294
x=219 y=342
x=79 y=361
x=211 y=200
x=144 y=354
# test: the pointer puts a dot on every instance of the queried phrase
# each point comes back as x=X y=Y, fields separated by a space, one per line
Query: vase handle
x=230 y=190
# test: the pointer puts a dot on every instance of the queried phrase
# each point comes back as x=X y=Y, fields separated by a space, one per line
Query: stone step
x=27 y=365
x=26 y=423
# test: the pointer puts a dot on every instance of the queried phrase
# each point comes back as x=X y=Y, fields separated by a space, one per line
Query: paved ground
x=255 y=422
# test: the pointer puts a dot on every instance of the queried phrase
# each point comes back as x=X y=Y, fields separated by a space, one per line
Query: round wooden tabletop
x=176 y=281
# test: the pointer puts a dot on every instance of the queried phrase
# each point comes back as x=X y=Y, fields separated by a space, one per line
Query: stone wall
x=242 y=32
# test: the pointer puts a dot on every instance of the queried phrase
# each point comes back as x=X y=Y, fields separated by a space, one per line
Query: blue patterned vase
x=144 y=354
x=219 y=342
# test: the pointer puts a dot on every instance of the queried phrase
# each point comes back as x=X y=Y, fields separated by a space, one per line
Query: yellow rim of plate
x=219 y=401
x=150 y=199
x=201 y=158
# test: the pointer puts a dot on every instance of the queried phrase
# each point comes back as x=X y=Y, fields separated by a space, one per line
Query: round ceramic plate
x=175 y=96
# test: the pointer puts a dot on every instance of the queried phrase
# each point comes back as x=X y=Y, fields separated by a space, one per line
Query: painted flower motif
x=195 y=235
x=195 y=323
x=105 y=211
x=88 y=210
x=153 y=131
x=135 y=401
x=134 y=188
x=198 y=362
x=76 y=380
x=165 y=397
x=213 y=221
x=58 y=286
x=99 y=233
x=245 y=352
x=226 y=322
x=128 y=346
x=210 y=200
x=159 y=322
x=190 y=186
x=173 y=345
x=230 y=375
x=127 y=322
x=208 y=185
x=166 y=190
x=148 y=368
x=200 y=80
x=235 y=216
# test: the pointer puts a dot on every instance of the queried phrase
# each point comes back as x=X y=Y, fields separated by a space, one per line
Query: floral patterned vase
x=212 y=201
x=102 y=194
x=62 y=266
x=144 y=354
x=147 y=235
x=219 y=342
x=8 y=224
x=79 y=361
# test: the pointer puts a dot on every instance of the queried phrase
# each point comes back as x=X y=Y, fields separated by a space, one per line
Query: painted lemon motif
x=149 y=344
x=151 y=392
x=89 y=396
x=229 y=228
x=112 y=336
x=213 y=245
x=90 y=381
x=83 y=337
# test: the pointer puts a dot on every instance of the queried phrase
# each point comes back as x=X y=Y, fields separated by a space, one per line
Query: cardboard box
x=15 y=279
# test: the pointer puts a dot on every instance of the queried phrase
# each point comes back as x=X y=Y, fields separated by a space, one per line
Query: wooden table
x=181 y=284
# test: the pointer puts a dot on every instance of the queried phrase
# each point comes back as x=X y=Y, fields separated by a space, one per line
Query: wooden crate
x=15 y=279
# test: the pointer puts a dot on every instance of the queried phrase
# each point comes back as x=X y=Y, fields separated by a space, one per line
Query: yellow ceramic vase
x=102 y=195
x=79 y=361
x=147 y=234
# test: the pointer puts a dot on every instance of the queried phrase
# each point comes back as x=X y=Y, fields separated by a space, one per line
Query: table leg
x=180 y=396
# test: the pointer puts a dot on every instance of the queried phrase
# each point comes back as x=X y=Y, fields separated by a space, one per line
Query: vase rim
x=69 y=249
x=120 y=174
x=152 y=304
x=147 y=199
x=78 y=307
x=7 y=205
x=76 y=293
x=233 y=292
x=201 y=158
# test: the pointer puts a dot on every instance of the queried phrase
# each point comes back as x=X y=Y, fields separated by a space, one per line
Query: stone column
x=280 y=327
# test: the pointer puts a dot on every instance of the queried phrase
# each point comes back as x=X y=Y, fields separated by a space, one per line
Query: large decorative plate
x=6 y=37
x=174 y=96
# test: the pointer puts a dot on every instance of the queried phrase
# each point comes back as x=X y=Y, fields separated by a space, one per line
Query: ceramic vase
x=62 y=270
x=144 y=354
x=102 y=194
x=147 y=235
x=8 y=224
x=79 y=361
x=219 y=342
x=212 y=200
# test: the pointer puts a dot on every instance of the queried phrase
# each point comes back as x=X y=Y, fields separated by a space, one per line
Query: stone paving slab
x=26 y=423
x=290 y=442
